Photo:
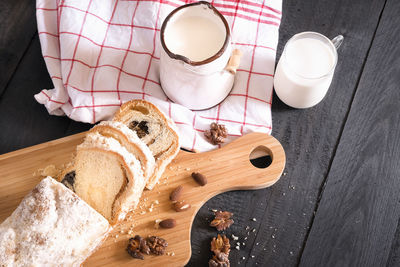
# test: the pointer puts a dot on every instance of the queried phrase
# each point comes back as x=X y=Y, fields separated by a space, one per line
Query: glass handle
x=337 y=41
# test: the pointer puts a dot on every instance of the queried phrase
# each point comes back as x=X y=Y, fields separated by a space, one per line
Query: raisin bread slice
x=130 y=141
x=51 y=226
x=154 y=129
x=107 y=177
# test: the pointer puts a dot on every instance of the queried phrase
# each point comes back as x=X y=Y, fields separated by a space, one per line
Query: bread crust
x=162 y=162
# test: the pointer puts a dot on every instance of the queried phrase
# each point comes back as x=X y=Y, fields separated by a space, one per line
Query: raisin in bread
x=107 y=176
x=67 y=176
x=52 y=226
x=154 y=129
x=130 y=141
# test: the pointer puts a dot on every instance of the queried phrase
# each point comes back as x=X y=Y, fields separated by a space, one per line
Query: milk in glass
x=305 y=70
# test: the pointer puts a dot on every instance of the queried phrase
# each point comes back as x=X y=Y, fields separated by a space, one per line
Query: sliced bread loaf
x=130 y=141
x=107 y=176
x=154 y=129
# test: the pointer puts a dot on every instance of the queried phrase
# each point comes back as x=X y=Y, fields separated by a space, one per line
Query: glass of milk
x=305 y=69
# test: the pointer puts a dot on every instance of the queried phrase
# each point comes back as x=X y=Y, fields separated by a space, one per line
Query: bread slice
x=51 y=226
x=154 y=129
x=107 y=176
x=130 y=141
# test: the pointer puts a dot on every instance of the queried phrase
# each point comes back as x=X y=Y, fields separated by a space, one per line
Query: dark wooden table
x=338 y=203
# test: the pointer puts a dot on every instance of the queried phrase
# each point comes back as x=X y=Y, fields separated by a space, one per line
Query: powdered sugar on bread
x=51 y=226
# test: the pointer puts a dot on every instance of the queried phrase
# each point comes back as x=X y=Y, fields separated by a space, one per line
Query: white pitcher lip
x=183 y=58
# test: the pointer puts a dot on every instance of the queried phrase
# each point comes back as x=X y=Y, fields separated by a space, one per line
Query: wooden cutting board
x=228 y=168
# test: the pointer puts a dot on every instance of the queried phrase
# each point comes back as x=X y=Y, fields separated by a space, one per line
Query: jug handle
x=234 y=61
x=337 y=41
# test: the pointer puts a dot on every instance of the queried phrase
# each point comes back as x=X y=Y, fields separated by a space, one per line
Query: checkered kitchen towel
x=102 y=53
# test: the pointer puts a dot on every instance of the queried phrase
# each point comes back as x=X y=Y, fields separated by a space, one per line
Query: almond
x=199 y=178
x=181 y=206
x=168 y=223
x=176 y=193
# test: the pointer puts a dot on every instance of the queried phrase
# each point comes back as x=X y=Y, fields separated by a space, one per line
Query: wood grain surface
x=362 y=190
x=286 y=212
x=228 y=168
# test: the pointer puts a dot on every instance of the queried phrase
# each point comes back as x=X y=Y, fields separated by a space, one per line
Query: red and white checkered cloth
x=102 y=53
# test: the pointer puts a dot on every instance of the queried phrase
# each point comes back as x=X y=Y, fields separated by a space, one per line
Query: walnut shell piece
x=157 y=245
x=222 y=220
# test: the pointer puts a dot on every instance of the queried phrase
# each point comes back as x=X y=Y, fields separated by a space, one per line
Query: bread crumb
x=234 y=237
x=49 y=170
x=254 y=219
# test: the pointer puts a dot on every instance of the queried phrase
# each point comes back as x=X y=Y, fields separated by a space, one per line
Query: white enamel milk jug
x=197 y=66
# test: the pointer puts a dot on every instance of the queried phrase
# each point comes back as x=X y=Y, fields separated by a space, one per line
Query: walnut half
x=134 y=247
x=221 y=248
x=157 y=245
x=220 y=244
x=216 y=134
x=219 y=260
x=222 y=220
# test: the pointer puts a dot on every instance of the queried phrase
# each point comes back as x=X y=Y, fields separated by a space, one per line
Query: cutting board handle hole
x=261 y=157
